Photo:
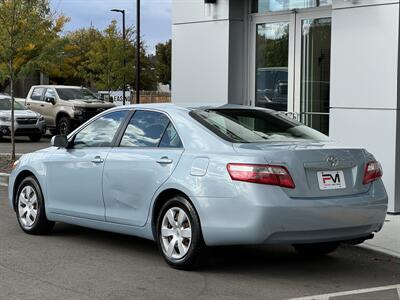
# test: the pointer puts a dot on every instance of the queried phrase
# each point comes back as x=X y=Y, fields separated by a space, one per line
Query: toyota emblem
x=332 y=161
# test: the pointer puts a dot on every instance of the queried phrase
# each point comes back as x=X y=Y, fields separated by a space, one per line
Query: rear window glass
x=255 y=126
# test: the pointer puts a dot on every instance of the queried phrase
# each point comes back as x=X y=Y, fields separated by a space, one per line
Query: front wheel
x=30 y=210
x=64 y=126
x=319 y=249
x=179 y=236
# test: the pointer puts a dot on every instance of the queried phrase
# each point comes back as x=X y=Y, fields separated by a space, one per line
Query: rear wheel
x=35 y=137
x=30 y=208
x=319 y=249
x=64 y=125
x=179 y=236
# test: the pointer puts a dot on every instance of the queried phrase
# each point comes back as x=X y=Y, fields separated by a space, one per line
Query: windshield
x=76 y=94
x=255 y=126
x=5 y=104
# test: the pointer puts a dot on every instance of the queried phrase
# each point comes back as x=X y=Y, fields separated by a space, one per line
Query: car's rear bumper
x=276 y=218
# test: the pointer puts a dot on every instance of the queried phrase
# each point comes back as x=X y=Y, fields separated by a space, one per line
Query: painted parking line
x=354 y=292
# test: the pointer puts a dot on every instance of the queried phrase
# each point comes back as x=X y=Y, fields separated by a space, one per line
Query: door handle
x=28 y=104
x=165 y=161
x=97 y=160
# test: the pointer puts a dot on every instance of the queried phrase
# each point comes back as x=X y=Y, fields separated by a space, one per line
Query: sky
x=155 y=16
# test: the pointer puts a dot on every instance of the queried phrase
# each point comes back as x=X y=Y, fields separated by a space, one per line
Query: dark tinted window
x=145 y=129
x=101 y=132
x=5 y=104
x=170 y=138
x=76 y=94
x=253 y=126
x=37 y=94
x=50 y=93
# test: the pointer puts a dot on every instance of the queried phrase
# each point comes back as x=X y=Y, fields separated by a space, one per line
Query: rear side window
x=37 y=94
x=100 y=133
x=145 y=129
x=171 y=138
x=255 y=126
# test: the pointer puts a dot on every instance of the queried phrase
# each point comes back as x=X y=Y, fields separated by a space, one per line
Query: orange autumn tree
x=28 y=42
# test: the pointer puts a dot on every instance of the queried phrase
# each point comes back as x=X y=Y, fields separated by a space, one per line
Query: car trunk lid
x=318 y=169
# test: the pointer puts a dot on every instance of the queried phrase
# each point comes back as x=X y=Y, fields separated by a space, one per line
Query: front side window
x=101 y=132
x=145 y=129
x=255 y=126
x=37 y=94
x=50 y=94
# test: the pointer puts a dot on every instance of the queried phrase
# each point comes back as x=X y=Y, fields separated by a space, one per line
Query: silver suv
x=65 y=107
x=27 y=123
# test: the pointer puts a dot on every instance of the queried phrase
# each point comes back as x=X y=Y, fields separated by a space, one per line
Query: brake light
x=373 y=171
x=263 y=174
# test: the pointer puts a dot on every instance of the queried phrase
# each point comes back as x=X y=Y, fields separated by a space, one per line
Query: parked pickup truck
x=64 y=107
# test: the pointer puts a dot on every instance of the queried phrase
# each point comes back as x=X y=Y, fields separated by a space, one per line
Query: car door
x=74 y=174
x=149 y=151
x=46 y=107
x=35 y=100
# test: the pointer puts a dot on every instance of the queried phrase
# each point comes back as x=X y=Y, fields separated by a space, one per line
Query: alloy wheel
x=176 y=233
x=28 y=206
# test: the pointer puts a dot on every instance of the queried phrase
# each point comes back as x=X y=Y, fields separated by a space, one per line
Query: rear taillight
x=263 y=174
x=373 y=171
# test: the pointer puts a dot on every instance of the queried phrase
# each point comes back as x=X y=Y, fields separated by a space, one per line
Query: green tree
x=163 y=62
x=27 y=33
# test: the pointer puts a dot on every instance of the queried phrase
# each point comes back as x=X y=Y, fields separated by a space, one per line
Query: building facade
x=333 y=64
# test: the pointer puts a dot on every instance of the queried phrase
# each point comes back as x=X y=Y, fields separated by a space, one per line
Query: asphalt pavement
x=23 y=145
x=79 y=263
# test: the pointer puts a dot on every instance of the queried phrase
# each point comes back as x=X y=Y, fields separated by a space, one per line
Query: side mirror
x=51 y=100
x=59 y=141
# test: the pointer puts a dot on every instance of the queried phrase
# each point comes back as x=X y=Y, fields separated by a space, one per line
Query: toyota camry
x=191 y=178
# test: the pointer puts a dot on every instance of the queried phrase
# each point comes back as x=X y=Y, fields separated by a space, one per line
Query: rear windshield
x=76 y=94
x=255 y=126
x=5 y=104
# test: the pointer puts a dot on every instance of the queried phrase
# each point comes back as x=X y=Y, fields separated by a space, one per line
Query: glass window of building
x=262 y=6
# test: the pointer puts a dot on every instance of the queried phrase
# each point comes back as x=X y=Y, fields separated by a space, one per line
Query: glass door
x=290 y=66
x=273 y=62
x=313 y=69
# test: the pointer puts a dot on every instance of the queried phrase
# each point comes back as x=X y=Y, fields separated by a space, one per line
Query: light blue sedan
x=189 y=178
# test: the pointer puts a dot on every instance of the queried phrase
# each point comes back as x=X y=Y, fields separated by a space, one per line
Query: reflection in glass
x=272 y=50
x=315 y=73
x=145 y=129
x=261 y=6
x=101 y=132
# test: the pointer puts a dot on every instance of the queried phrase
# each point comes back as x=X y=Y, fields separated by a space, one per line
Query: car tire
x=30 y=209
x=35 y=138
x=319 y=249
x=181 y=243
x=64 y=126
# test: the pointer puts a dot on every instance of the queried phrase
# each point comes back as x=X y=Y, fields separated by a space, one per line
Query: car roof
x=4 y=97
x=171 y=107
x=59 y=86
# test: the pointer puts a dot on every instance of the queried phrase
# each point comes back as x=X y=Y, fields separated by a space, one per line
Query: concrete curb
x=4 y=179
x=381 y=250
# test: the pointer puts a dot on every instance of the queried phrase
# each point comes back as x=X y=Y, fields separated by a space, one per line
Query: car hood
x=20 y=114
x=91 y=104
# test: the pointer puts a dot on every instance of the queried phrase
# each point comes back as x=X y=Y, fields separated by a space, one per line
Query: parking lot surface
x=79 y=263
x=23 y=145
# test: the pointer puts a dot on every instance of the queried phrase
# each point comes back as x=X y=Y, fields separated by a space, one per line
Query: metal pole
x=124 y=38
x=138 y=51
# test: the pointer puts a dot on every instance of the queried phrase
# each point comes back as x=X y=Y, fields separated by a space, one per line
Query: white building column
x=208 y=52
x=365 y=83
